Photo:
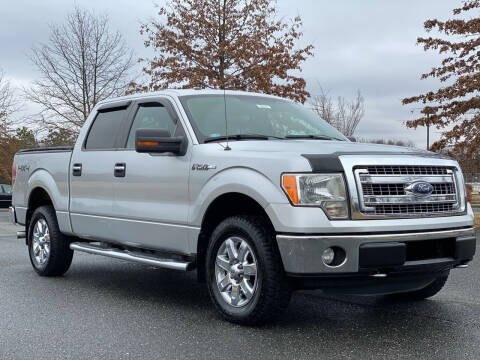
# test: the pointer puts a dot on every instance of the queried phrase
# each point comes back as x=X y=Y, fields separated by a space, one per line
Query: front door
x=151 y=190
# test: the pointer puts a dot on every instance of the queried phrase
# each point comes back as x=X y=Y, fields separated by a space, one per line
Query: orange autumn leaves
x=232 y=44
x=454 y=107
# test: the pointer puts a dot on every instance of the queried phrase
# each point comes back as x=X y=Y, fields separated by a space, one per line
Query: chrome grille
x=383 y=189
x=407 y=170
x=442 y=189
x=386 y=191
x=413 y=209
x=399 y=189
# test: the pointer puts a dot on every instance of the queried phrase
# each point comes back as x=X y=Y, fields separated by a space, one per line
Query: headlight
x=323 y=190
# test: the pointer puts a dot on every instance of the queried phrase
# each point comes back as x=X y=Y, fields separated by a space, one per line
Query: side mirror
x=352 y=139
x=159 y=141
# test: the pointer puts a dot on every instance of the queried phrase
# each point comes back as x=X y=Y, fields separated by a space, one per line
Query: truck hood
x=324 y=147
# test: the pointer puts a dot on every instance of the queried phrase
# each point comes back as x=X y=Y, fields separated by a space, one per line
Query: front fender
x=243 y=180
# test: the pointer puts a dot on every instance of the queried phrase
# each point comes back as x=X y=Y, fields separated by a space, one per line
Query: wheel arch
x=222 y=207
x=39 y=196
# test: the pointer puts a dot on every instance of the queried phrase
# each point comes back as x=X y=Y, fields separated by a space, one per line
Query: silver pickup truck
x=284 y=202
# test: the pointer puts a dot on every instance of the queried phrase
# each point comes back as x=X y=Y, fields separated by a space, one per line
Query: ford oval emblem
x=420 y=188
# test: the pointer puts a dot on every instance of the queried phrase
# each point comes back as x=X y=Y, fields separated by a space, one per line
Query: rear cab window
x=103 y=132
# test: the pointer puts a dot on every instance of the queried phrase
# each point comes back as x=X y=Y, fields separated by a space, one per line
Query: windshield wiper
x=315 y=137
x=266 y=137
x=240 y=137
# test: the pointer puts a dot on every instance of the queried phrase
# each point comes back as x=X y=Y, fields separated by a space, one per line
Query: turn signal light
x=289 y=184
x=326 y=191
x=147 y=143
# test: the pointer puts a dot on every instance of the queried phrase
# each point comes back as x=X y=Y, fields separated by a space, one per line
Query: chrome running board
x=146 y=259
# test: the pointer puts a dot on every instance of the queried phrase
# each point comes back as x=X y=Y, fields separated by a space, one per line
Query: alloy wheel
x=236 y=271
x=41 y=242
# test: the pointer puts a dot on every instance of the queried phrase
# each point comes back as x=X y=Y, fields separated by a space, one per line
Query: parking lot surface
x=109 y=309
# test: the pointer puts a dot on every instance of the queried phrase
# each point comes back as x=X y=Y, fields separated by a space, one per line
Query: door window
x=151 y=116
x=103 y=132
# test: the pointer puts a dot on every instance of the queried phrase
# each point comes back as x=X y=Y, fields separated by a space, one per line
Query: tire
x=425 y=293
x=256 y=288
x=48 y=249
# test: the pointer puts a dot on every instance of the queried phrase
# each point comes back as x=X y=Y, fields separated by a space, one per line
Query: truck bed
x=47 y=165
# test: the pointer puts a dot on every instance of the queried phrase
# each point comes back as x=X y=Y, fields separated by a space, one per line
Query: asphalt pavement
x=110 y=309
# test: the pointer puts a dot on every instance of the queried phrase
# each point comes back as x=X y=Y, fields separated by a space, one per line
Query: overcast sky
x=367 y=45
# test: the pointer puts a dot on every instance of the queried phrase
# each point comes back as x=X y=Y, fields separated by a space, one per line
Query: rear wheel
x=245 y=277
x=48 y=248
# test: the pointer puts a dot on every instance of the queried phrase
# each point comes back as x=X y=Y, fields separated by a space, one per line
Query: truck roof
x=182 y=92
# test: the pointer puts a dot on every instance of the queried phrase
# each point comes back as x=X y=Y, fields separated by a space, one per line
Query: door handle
x=119 y=169
x=77 y=169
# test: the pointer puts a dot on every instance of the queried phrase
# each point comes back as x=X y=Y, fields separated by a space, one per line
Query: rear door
x=92 y=174
x=151 y=195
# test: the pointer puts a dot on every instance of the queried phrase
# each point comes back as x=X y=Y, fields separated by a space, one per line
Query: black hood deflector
x=330 y=163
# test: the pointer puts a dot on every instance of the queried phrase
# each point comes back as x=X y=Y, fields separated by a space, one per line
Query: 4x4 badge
x=23 y=167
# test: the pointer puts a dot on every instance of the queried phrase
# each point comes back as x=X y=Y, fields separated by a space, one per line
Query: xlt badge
x=203 y=167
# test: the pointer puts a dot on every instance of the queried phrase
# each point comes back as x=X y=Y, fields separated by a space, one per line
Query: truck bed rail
x=46 y=149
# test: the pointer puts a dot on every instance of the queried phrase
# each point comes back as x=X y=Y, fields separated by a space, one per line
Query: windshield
x=7 y=189
x=253 y=115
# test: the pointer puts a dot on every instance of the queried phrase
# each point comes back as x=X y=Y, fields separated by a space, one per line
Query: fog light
x=334 y=256
x=328 y=256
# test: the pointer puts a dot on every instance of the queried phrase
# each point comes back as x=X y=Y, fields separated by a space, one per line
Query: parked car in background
x=475 y=188
x=5 y=195
x=284 y=202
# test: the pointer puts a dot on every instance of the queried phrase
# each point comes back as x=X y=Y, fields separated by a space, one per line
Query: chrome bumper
x=11 y=215
x=302 y=254
x=13 y=219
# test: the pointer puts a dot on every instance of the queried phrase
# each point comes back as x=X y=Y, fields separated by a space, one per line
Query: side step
x=138 y=257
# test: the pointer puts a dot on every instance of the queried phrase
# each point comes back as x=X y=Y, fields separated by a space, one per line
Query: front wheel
x=48 y=248
x=245 y=276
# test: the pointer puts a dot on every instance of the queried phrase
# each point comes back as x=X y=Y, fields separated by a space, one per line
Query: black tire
x=272 y=292
x=425 y=293
x=60 y=255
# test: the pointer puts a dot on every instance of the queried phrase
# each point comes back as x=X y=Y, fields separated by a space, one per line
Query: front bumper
x=368 y=254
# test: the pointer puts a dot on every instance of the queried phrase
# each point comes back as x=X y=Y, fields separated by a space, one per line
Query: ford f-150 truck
x=283 y=202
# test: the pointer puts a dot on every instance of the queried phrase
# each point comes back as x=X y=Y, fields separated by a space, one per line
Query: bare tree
x=408 y=143
x=7 y=103
x=345 y=115
x=11 y=140
x=83 y=63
